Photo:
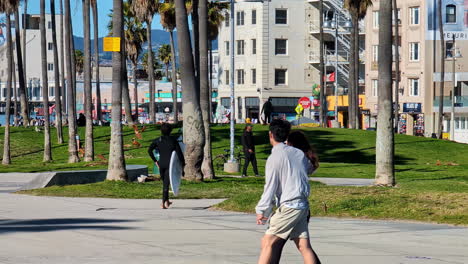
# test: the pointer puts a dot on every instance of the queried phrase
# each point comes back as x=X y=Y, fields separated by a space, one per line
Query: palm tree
x=384 y=174
x=194 y=133
x=19 y=59
x=165 y=56
x=45 y=85
x=96 y=58
x=144 y=11
x=25 y=12
x=6 y=7
x=323 y=110
x=116 y=167
x=196 y=43
x=88 y=94
x=70 y=64
x=58 y=103
x=442 y=70
x=79 y=61
x=62 y=63
x=396 y=41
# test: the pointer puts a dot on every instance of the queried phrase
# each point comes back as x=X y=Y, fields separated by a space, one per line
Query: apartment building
x=270 y=60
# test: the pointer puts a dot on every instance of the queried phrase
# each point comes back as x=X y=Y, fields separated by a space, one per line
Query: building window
x=226 y=44
x=375 y=88
x=239 y=107
x=240 y=76
x=281 y=16
x=240 y=47
x=281 y=46
x=226 y=19
x=414 y=15
x=451 y=14
x=463 y=122
x=414 y=51
x=280 y=76
x=254 y=76
x=375 y=53
x=49 y=25
x=52 y=91
x=449 y=49
x=50 y=66
x=375 y=19
x=254 y=46
x=254 y=17
x=226 y=102
x=50 y=46
x=226 y=76
x=414 y=87
x=240 y=18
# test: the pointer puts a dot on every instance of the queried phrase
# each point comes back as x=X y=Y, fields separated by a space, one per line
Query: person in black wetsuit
x=165 y=145
x=249 y=150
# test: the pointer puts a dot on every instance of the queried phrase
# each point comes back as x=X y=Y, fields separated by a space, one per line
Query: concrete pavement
x=91 y=230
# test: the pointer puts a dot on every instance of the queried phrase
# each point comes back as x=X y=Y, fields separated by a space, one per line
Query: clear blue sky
x=104 y=7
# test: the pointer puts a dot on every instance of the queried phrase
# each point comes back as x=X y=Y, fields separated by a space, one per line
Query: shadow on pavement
x=57 y=224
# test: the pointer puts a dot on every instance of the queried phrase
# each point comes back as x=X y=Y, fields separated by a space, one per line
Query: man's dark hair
x=166 y=129
x=280 y=130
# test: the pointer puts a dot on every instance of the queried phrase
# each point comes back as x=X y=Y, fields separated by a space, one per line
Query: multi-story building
x=270 y=61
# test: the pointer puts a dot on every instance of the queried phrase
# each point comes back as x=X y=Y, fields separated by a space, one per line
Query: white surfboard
x=175 y=173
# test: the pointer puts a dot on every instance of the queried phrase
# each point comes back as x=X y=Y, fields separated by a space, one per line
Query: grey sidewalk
x=83 y=230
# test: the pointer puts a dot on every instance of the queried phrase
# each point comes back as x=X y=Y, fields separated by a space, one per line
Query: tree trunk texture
x=194 y=133
x=207 y=165
x=22 y=81
x=45 y=86
x=63 y=90
x=323 y=109
x=135 y=91
x=384 y=174
x=58 y=103
x=15 y=87
x=175 y=109
x=96 y=60
x=150 y=74
x=88 y=90
x=25 y=12
x=69 y=59
x=442 y=70
x=352 y=73
x=126 y=92
x=356 y=111
x=116 y=167
x=210 y=85
x=397 y=65
x=11 y=69
x=196 y=42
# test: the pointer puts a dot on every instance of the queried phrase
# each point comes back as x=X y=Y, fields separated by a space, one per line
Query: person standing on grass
x=287 y=182
x=248 y=144
x=165 y=145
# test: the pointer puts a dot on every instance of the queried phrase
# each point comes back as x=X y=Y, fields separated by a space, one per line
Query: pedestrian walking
x=248 y=145
x=287 y=182
x=165 y=145
x=266 y=110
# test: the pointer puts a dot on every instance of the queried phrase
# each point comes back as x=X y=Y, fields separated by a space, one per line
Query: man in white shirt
x=287 y=182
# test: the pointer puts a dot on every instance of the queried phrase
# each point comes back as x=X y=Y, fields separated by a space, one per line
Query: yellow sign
x=111 y=44
x=445 y=135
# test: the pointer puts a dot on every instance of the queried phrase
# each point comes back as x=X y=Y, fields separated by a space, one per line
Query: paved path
x=83 y=230
x=344 y=181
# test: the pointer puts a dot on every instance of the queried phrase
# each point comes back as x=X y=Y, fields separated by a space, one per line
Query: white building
x=270 y=61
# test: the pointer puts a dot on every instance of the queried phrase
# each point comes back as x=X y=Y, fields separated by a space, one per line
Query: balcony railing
x=460 y=101
x=330 y=58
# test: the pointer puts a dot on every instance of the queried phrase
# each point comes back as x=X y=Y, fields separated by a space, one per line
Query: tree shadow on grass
x=58 y=224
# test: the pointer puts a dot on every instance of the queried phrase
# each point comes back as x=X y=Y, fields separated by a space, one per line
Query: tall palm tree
x=396 y=41
x=45 y=85
x=194 y=133
x=58 y=103
x=144 y=11
x=88 y=91
x=25 y=12
x=165 y=56
x=196 y=43
x=323 y=110
x=442 y=70
x=6 y=7
x=19 y=59
x=96 y=58
x=70 y=64
x=385 y=173
x=62 y=63
x=116 y=167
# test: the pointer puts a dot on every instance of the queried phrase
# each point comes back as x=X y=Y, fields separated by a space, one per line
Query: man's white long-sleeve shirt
x=286 y=180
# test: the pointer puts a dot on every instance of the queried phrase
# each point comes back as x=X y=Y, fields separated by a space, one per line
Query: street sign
x=305 y=102
x=111 y=44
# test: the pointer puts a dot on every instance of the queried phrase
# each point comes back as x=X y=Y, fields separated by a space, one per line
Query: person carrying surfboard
x=165 y=145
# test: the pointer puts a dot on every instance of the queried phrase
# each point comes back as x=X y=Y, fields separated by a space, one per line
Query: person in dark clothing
x=249 y=150
x=81 y=121
x=267 y=109
x=165 y=145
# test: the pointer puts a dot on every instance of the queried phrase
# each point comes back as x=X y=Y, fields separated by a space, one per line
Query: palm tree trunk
x=167 y=71
x=58 y=103
x=211 y=80
x=384 y=174
x=194 y=133
x=323 y=110
x=442 y=70
x=126 y=94
x=11 y=69
x=69 y=59
x=352 y=72
x=116 y=168
x=150 y=73
x=15 y=111
x=88 y=91
x=175 y=109
x=62 y=66
x=207 y=165
x=25 y=12
x=135 y=90
x=196 y=42
x=45 y=86
x=397 y=65
x=22 y=82
x=356 y=77
x=96 y=60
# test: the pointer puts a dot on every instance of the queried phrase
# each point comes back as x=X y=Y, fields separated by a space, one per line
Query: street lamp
x=456 y=54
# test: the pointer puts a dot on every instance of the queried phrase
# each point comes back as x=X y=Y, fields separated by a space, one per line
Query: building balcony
x=461 y=104
x=331 y=57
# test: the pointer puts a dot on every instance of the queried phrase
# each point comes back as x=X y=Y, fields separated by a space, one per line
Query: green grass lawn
x=432 y=175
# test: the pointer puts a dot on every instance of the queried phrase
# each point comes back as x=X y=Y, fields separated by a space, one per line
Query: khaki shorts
x=288 y=223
